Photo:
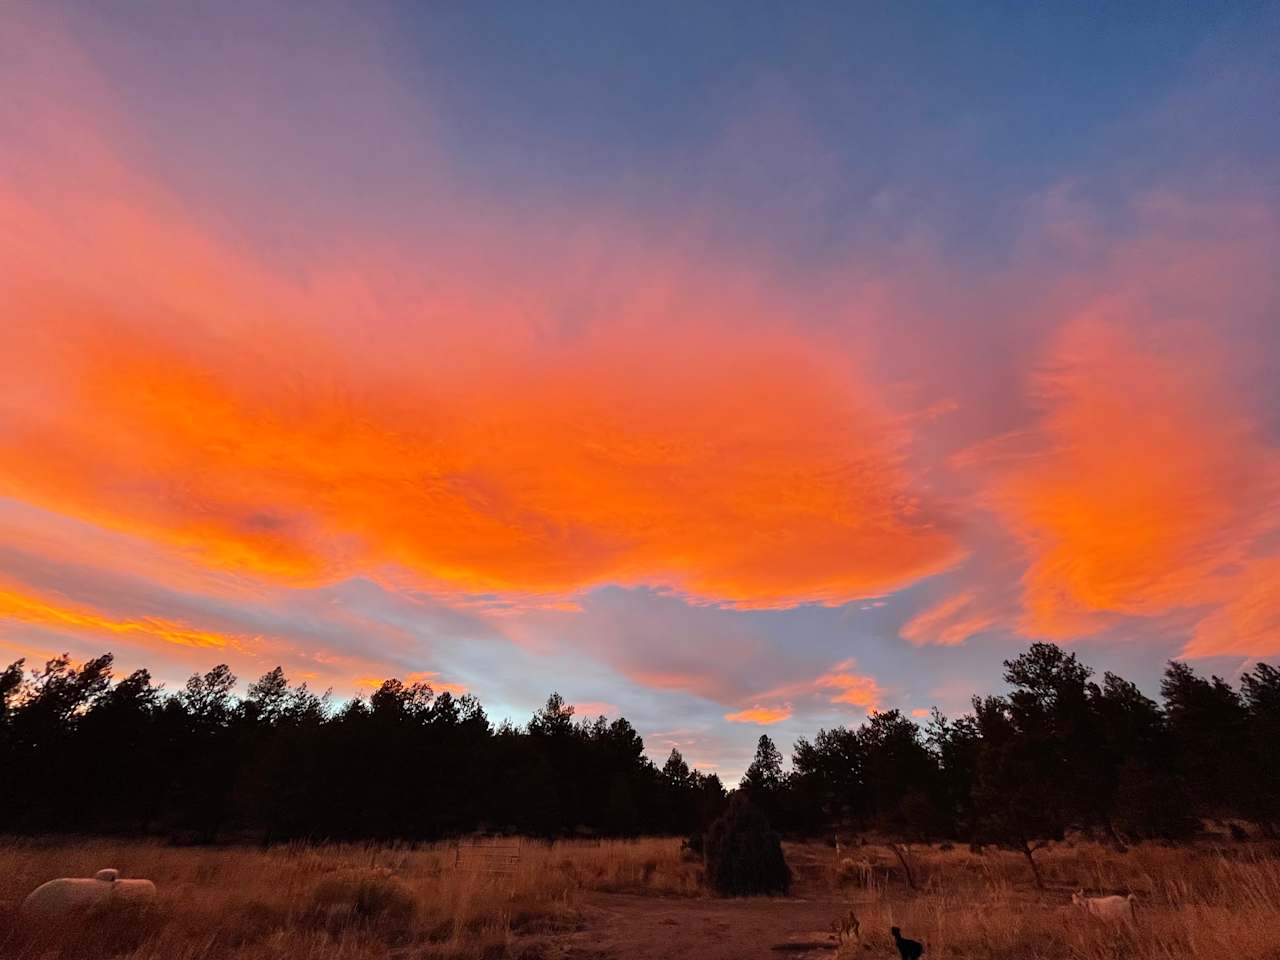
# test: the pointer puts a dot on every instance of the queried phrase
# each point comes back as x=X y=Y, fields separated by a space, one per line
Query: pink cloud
x=948 y=623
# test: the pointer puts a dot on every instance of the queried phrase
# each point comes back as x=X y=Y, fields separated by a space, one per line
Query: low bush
x=371 y=898
x=743 y=854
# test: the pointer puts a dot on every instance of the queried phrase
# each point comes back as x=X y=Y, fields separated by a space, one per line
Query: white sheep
x=68 y=896
x=1106 y=908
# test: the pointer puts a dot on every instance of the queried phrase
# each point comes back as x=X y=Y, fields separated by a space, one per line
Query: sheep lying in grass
x=76 y=896
x=1106 y=908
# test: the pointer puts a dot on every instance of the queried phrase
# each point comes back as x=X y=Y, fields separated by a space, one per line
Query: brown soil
x=625 y=927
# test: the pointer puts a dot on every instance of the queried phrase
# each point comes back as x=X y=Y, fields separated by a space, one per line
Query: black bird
x=910 y=949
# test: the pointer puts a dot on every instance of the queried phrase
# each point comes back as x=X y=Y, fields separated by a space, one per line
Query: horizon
x=735 y=374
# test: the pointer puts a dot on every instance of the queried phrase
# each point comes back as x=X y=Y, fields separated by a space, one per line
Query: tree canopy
x=1058 y=751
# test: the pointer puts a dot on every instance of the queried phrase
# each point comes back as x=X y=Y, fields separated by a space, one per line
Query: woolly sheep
x=66 y=896
x=1106 y=908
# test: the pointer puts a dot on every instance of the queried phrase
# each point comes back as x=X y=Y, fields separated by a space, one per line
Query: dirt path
x=622 y=927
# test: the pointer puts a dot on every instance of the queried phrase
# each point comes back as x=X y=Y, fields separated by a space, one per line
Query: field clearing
x=640 y=899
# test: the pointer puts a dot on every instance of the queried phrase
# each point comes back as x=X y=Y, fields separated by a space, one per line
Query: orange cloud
x=196 y=644
x=48 y=613
x=920 y=712
x=685 y=432
x=1144 y=488
x=760 y=715
x=948 y=623
x=729 y=498
x=839 y=685
x=851 y=688
x=1248 y=624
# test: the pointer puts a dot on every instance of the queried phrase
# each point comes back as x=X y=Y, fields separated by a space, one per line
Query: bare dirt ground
x=625 y=926
x=618 y=926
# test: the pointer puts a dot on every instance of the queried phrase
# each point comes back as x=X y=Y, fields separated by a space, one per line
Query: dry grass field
x=639 y=900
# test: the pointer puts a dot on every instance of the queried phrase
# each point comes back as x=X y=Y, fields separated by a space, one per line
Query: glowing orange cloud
x=920 y=712
x=760 y=715
x=1143 y=489
x=949 y=623
x=731 y=495
x=686 y=433
x=44 y=612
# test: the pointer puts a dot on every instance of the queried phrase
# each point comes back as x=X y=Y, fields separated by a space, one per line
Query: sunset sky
x=735 y=368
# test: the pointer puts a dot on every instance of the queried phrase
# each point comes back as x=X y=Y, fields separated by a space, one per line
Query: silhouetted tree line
x=83 y=752
x=1059 y=752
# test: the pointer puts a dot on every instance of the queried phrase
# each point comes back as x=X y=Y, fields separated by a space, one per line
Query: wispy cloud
x=948 y=623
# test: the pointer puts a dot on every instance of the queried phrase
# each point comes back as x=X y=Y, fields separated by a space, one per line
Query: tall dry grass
x=354 y=902
x=1210 y=902
x=330 y=901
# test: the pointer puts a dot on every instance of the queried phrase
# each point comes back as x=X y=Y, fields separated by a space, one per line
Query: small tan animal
x=1106 y=908
x=847 y=928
